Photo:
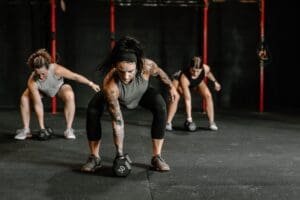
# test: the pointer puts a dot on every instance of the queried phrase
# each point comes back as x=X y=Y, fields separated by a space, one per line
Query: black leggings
x=151 y=100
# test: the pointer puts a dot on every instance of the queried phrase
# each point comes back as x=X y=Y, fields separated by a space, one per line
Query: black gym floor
x=252 y=157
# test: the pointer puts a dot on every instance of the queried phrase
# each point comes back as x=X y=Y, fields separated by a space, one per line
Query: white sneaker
x=22 y=134
x=213 y=126
x=69 y=134
x=169 y=127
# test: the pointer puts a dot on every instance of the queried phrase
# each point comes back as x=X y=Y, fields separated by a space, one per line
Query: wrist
x=91 y=83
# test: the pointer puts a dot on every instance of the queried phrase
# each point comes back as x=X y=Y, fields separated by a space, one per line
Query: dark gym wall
x=170 y=35
x=23 y=29
x=283 y=40
x=83 y=41
x=83 y=37
x=233 y=39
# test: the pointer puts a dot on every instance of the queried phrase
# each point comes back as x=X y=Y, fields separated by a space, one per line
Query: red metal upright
x=53 y=42
x=205 y=30
x=112 y=23
x=204 y=41
x=261 y=64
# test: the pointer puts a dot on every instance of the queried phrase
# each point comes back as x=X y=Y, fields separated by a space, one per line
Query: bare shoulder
x=57 y=69
x=184 y=81
x=109 y=76
x=31 y=79
x=110 y=88
x=150 y=67
x=148 y=64
x=56 y=66
x=148 y=61
x=31 y=83
x=206 y=67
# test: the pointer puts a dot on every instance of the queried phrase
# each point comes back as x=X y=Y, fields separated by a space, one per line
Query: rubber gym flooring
x=252 y=156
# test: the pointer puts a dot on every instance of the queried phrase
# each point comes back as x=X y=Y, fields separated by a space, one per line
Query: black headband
x=126 y=56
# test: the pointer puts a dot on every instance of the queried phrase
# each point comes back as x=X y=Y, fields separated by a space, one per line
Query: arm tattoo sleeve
x=117 y=120
x=162 y=75
x=115 y=112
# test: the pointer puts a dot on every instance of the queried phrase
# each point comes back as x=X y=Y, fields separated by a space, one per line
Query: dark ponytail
x=126 y=49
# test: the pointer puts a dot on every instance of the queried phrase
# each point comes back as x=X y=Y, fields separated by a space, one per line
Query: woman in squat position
x=127 y=85
x=47 y=79
x=193 y=79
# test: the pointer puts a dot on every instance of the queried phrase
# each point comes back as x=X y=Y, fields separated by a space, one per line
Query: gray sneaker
x=213 y=126
x=22 y=134
x=92 y=164
x=69 y=134
x=159 y=164
x=169 y=127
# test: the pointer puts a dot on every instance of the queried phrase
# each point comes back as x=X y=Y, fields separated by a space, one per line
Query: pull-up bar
x=154 y=3
x=177 y=3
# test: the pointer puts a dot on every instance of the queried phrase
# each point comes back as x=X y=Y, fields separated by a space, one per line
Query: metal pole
x=261 y=64
x=204 y=41
x=205 y=30
x=53 y=42
x=112 y=24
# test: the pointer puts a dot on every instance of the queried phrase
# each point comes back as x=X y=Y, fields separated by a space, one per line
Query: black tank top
x=194 y=82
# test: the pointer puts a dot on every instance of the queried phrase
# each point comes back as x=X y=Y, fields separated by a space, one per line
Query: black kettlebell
x=45 y=134
x=121 y=165
x=190 y=126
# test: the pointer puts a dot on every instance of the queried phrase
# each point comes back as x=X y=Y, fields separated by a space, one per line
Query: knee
x=24 y=99
x=69 y=96
x=177 y=98
x=92 y=112
x=160 y=107
x=207 y=96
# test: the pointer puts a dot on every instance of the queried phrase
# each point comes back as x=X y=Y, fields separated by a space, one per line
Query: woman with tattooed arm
x=127 y=85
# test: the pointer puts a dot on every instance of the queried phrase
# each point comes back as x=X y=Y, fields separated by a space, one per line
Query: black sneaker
x=159 y=164
x=92 y=164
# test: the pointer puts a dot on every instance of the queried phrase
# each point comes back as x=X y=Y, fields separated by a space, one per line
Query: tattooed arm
x=112 y=93
x=152 y=68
